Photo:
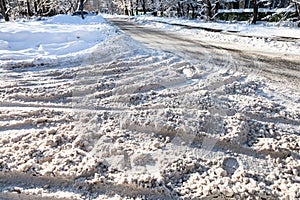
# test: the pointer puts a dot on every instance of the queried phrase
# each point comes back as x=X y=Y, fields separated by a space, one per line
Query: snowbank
x=266 y=29
x=59 y=38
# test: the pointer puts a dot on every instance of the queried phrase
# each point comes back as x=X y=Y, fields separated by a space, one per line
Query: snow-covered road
x=214 y=53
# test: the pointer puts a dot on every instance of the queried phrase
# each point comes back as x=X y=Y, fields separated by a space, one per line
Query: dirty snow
x=111 y=120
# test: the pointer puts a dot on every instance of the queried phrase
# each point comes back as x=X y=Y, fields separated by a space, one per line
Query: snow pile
x=58 y=39
x=267 y=29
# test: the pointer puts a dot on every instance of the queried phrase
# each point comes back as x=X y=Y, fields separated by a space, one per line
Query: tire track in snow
x=138 y=102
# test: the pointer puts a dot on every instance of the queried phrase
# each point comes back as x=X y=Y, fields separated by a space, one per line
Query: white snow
x=250 y=10
x=123 y=104
x=262 y=29
x=61 y=37
x=70 y=39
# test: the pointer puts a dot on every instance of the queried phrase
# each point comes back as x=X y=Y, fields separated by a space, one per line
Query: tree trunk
x=4 y=10
x=28 y=8
x=298 y=12
x=144 y=7
x=209 y=8
x=297 y=5
x=188 y=11
x=35 y=3
x=137 y=7
x=131 y=8
x=193 y=12
x=255 y=12
x=81 y=5
x=125 y=7
x=179 y=12
x=217 y=7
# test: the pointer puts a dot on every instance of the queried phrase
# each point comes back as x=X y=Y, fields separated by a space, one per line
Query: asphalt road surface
x=277 y=67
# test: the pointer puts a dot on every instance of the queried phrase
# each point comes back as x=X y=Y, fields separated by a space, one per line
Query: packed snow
x=87 y=112
x=278 y=38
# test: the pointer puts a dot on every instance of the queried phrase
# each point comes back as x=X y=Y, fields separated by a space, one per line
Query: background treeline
x=14 y=9
x=182 y=8
x=190 y=9
x=251 y=10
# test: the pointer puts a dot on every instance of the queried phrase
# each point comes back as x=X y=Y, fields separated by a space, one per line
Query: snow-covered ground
x=66 y=39
x=86 y=112
x=55 y=40
x=262 y=29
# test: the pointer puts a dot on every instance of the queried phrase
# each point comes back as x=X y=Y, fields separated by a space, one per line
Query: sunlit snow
x=51 y=39
x=70 y=39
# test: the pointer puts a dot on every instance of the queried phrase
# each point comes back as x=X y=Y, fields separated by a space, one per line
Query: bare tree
x=256 y=5
x=29 y=13
x=144 y=6
x=4 y=10
x=255 y=11
x=297 y=5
